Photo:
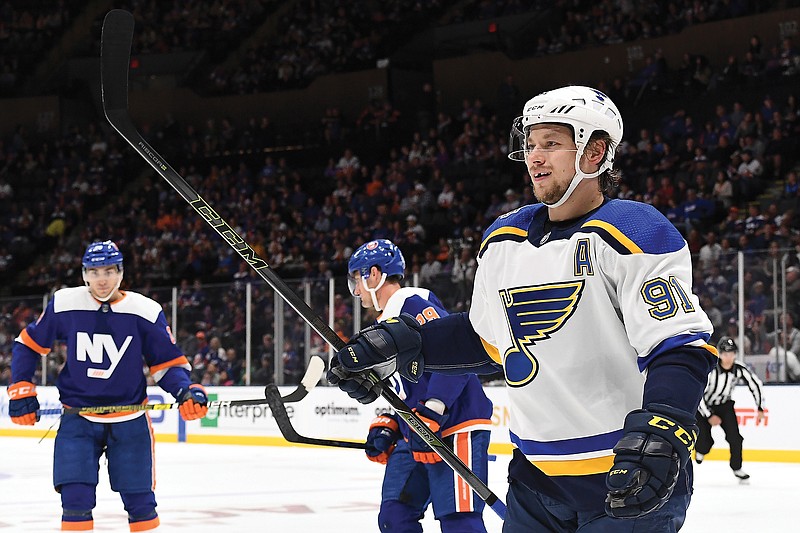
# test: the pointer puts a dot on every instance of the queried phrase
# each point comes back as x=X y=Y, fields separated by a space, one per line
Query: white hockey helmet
x=585 y=110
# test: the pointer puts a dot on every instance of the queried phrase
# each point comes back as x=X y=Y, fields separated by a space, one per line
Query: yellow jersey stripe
x=711 y=349
x=505 y=230
x=617 y=234
x=493 y=352
x=579 y=467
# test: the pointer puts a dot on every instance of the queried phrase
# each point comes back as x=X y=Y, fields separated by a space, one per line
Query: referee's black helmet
x=727 y=344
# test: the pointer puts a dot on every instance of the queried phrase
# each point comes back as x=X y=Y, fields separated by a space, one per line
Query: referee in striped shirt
x=716 y=406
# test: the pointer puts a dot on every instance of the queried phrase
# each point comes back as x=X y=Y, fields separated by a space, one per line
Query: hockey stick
x=287 y=430
x=117 y=37
x=105 y=409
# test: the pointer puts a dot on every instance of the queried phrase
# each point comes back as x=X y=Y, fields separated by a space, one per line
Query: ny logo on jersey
x=534 y=313
x=94 y=347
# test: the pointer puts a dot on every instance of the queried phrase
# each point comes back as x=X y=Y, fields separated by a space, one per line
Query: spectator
x=430 y=270
x=710 y=252
x=292 y=365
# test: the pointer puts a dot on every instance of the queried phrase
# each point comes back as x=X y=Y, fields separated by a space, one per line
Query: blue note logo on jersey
x=534 y=313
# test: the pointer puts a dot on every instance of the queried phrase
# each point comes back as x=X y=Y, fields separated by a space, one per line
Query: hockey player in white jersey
x=110 y=334
x=586 y=303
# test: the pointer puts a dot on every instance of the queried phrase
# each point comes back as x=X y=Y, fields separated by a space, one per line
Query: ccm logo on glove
x=681 y=434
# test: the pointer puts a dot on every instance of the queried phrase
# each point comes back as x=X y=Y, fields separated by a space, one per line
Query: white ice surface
x=222 y=488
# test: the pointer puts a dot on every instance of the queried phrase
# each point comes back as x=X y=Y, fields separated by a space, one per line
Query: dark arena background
x=258 y=143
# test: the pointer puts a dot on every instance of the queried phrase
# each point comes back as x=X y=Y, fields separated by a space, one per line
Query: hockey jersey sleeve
x=753 y=383
x=168 y=365
x=450 y=345
x=446 y=388
x=32 y=343
x=647 y=263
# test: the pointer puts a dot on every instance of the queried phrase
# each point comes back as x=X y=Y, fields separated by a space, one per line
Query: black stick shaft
x=115 y=58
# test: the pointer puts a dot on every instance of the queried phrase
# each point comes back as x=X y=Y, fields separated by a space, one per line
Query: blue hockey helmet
x=382 y=253
x=102 y=253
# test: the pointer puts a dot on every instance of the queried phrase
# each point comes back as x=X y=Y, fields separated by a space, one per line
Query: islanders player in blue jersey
x=110 y=335
x=586 y=304
x=455 y=407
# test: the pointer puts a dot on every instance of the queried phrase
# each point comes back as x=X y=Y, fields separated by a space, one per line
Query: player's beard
x=551 y=191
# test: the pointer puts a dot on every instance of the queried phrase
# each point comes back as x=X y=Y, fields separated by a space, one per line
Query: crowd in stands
x=28 y=30
x=48 y=187
x=432 y=192
x=215 y=27
x=315 y=38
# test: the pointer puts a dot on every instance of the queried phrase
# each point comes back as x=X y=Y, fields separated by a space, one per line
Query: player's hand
x=760 y=416
x=656 y=444
x=357 y=385
x=386 y=347
x=714 y=420
x=382 y=438
x=419 y=448
x=23 y=406
x=193 y=402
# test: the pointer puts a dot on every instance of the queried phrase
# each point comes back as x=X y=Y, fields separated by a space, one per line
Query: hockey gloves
x=357 y=385
x=193 y=402
x=419 y=448
x=23 y=407
x=382 y=438
x=656 y=444
x=386 y=347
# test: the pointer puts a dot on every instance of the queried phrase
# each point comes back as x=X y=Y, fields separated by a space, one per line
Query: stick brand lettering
x=228 y=233
x=152 y=155
x=93 y=347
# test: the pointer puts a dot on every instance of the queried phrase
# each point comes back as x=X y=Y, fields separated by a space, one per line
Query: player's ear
x=595 y=151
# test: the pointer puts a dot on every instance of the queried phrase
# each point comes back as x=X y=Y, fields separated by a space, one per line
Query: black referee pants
x=729 y=425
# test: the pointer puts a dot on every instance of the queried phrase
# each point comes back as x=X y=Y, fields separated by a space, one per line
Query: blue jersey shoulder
x=511 y=226
x=634 y=227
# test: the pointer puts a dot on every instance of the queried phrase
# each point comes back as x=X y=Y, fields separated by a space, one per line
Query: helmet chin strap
x=579 y=175
x=372 y=291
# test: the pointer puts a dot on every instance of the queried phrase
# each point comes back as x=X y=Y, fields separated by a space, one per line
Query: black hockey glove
x=356 y=384
x=655 y=447
x=386 y=347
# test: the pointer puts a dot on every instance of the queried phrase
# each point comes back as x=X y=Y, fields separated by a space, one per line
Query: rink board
x=328 y=413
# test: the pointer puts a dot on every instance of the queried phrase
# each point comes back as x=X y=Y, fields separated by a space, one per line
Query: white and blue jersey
x=579 y=314
x=108 y=345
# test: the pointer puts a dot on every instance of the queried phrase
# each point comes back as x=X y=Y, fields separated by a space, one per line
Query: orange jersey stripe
x=467 y=425
x=462 y=446
x=178 y=361
x=152 y=452
x=26 y=339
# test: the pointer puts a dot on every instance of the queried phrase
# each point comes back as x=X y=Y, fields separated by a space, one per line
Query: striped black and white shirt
x=721 y=383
